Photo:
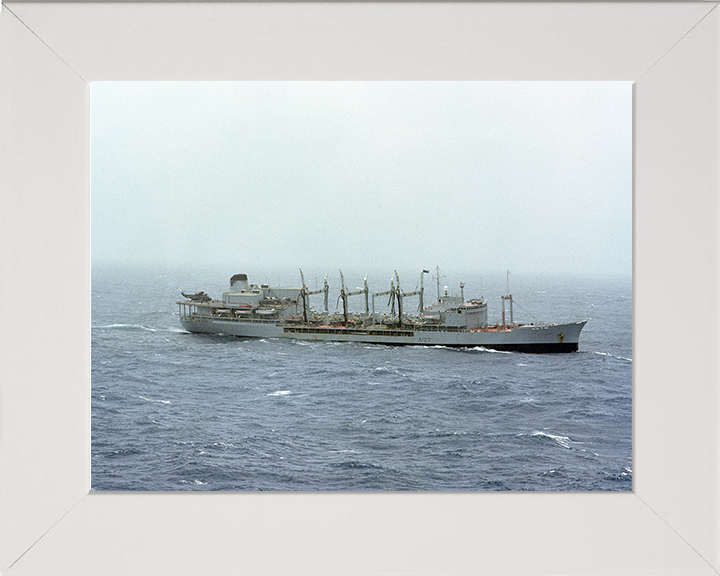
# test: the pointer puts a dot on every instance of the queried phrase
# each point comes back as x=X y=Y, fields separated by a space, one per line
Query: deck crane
x=390 y=292
x=396 y=294
x=420 y=293
x=304 y=293
x=345 y=293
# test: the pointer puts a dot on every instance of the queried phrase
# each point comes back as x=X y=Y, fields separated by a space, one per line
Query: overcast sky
x=470 y=176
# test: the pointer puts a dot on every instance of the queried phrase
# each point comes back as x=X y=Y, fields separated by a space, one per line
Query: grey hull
x=541 y=339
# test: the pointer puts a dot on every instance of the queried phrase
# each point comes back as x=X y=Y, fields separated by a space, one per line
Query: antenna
x=508 y=297
x=437 y=277
x=422 y=290
x=366 y=289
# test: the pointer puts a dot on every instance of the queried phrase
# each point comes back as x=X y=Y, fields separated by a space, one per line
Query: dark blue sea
x=178 y=411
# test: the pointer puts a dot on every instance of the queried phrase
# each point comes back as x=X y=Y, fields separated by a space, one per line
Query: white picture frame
x=49 y=520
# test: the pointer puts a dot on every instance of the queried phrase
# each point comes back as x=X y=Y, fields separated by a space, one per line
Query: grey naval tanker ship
x=261 y=311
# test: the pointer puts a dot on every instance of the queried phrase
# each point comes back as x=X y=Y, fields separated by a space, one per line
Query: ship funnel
x=239 y=282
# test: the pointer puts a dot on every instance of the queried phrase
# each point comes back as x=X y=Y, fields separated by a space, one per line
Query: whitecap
x=280 y=393
x=158 y=401
x=126 y=326
x=611 y=356
x=564 y=441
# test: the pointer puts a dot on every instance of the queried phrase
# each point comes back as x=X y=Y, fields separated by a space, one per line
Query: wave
x=158 y=401
x=612 y=356
x=125 y=327
x=298 y=342
x=489 y=350
x=461 y=348
x=356 y=465
x=195 y=482
x=564 y=441
x=624 y=476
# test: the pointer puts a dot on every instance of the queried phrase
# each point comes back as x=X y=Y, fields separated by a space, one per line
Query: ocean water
x=178 y=411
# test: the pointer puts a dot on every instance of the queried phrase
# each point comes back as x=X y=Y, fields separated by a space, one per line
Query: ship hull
x=552 y=338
